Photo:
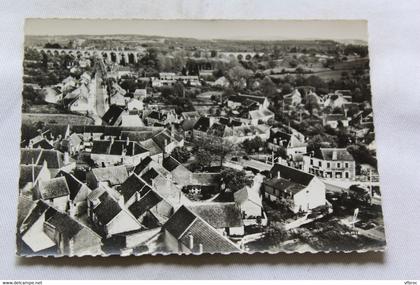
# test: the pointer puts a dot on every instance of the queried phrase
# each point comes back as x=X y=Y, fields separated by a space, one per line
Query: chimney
x=127 y=141
x=33 y=172
x=66 y=158
x=278 y=174
x=191 y=241
x=334 y=155
x=200 y=248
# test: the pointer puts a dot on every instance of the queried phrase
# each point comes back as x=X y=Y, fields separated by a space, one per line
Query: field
x=61 y=119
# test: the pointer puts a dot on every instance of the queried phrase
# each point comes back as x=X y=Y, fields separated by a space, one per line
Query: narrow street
x=100 y=100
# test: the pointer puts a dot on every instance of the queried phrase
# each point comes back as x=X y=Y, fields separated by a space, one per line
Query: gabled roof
x=203 y=124
x=142 y=165
x=40 y=208
x=180 y=221
x=115 y=175
x=166 y=136
x=112 y=115
x=335 y=117
x=280 y=136
x=327 y=154
x=117 y=147
x=190 y=115
x=29 y=155
x=217 y=130
x=137 y=136
x=53 y=158
x=170 y=163
x=184 y=224
x=291 y=174
x=283 y=185
x=295 y=92
x=259 y=114
x=64 y=224
x=151 y=146
x=150 y=175
x=42 y=143
x=146 y=202
x=107 y=210
x=243 y=97
x=74 y=184
x=154 y=115
x=53 y=188
x=25 y=176
x=25 y=205
x=218 y=215
x=130 y=186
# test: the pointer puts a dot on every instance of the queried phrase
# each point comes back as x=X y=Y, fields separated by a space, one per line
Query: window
x=312 y=162
x=338 y=165
x=346 y=165
x=346 y=174
x=328 y=165
x=319 y=163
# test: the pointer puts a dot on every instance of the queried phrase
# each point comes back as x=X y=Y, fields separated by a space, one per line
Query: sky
x=204 y=29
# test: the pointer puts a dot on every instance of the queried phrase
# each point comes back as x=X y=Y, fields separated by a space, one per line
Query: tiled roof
x=151 y=146
x=73 y=183
x=180 y=221
x=112 y=115
x=26 y=174
x=53 y=188
x=29 y=156
x=107 y=210
x=149 y=176
x=166 y=136
x=130 y=186
x=327 y=154
x=283 y=185
x=291 y=174
x=53 y=158
x=40 y=208
x=218 y=215
x=170 y=163
x=115 y=175
x=259 y=114
x=64 y=224
x=117 y=147
x=149 y=200
x=203 y=124
x=184 y=224
x=142 y=165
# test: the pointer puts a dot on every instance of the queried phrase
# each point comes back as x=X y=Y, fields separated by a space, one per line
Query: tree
x=253 y=145
x=179 y=90
x=268 y=87
x=203 y=158
x=219 y=147
x=239 y=75
x=362 y=155
x=233 y=179
x=293 y=63
x=181 y=154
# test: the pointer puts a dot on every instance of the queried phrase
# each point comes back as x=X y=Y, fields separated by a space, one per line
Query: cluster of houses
x=115 y=188
x=137 y=196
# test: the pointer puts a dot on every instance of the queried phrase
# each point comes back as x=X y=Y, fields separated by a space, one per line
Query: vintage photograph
x=197 y=136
